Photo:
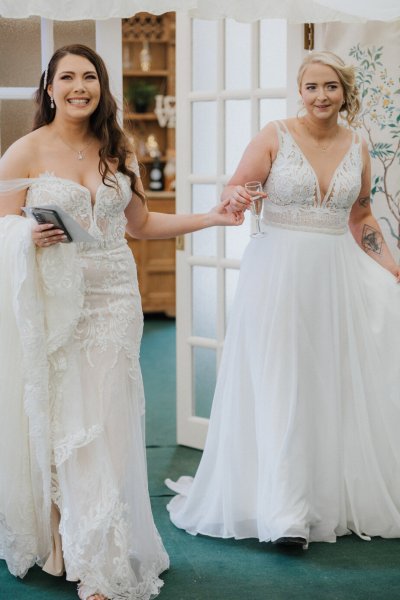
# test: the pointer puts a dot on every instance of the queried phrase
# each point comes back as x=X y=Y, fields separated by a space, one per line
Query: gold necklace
x=323 y=147
x=80 y=153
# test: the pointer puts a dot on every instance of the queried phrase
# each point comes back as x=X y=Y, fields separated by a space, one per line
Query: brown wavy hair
x=114 y=144
x=347 y=77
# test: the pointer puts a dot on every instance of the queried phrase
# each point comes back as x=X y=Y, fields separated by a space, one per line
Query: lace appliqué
x=64 y=448
x=294 y=200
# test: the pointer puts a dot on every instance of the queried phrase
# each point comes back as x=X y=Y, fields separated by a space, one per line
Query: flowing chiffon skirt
x=304 y=431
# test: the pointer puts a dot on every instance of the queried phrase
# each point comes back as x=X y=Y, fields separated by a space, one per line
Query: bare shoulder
x=17 y=161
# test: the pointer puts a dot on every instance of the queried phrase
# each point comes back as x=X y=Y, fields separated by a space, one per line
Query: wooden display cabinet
x=148 y=52
x=155 y=260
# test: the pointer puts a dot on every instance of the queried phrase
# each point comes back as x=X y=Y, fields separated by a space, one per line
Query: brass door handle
x=180 y=242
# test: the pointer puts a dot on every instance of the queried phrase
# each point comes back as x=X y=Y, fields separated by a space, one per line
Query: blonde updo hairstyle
x=347 y=78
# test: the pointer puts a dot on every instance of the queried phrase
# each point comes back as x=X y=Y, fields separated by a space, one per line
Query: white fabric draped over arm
x=41 y=298
x=24 y=424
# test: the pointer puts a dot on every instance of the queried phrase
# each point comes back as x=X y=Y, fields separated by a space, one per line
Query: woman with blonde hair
x=303 y=441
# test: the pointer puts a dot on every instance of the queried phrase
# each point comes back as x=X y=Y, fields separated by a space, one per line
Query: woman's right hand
x=240 y=199
x=47 y=235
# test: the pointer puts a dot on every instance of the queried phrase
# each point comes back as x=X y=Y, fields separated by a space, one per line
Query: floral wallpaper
x=374 y=49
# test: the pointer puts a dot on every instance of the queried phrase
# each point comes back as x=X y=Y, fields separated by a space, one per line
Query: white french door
x=232 y=78
x=26 y=46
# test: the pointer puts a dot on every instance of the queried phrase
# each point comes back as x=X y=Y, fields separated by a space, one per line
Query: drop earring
x=51 y=102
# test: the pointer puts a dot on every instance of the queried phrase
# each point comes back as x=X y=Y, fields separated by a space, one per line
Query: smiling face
x=321 y=91
x=75 y=87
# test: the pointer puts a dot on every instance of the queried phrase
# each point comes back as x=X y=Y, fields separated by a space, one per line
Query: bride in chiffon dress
x=303 y=441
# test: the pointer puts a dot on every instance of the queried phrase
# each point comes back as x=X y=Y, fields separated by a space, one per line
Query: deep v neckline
x=92 y=199
x=320 y=200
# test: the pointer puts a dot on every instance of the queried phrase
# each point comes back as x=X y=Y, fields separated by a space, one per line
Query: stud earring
x=51 y=102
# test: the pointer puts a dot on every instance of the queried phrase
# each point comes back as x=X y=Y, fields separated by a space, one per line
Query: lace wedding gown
x=304 y=431
x=90 y=433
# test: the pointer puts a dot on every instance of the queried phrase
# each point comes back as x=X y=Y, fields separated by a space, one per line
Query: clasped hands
x=240 y=200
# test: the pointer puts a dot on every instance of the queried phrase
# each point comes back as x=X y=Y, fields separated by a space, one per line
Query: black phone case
x=48 y=215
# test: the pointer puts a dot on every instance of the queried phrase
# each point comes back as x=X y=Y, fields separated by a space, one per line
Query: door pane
x=237 y=55
x=204 y=197
x=205 y=374
x=273 y=53
x=74 y=32
x=20 y=52
x=272 y=109
x=204 y=141
x=204 y=55
x=204 y=281
x=16 y=119
x=231 y=281
x=237 y=131
x=237 y=238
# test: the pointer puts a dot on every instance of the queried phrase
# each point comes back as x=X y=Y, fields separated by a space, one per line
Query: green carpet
x=212 y=569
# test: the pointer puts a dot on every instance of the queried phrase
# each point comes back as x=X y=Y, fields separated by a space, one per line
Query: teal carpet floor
x=211 y=569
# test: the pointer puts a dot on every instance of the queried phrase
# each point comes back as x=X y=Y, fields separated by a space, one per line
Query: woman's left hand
x=222 y=216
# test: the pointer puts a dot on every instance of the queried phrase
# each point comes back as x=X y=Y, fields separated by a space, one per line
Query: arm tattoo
x=371 y=240
x=365 y=202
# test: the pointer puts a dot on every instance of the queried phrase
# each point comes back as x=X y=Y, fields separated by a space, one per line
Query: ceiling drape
x=295 y=11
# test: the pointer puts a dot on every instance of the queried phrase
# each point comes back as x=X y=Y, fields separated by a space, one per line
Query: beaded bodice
x=294 y=197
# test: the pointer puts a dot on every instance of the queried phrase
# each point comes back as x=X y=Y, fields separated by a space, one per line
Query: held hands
x=222 y=214
x=240 y=200
x=47 y=235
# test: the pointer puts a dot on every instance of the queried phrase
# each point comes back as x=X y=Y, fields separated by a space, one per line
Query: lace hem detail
x=18 y=549
x=320 y=220
x=129 y=580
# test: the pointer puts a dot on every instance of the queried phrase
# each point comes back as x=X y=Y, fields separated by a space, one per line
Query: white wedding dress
x=80 y=427
x=304 y=432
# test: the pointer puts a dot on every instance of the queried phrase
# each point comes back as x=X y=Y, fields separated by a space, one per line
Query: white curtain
x=295 y=11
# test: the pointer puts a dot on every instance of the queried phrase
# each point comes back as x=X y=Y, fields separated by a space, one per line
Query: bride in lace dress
x=73 y=481
x=303 y=441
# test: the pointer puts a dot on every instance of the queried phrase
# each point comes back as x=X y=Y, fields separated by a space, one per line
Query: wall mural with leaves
x=374 y=49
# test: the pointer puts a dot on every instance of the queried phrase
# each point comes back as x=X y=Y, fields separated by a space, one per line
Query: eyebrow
x=325 y=83
x=73 y=73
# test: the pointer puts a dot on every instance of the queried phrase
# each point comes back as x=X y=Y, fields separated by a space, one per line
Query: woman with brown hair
x=73 y=493
x=303 y=443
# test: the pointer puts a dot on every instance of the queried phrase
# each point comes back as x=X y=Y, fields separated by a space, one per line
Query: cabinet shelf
x=147 y=116
x=140 y=73
x=160 y=195
x=149 y=159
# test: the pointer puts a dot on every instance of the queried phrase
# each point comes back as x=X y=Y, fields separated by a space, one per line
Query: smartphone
x=49 y=215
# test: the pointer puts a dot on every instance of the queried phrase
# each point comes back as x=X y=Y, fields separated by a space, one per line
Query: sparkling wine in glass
x=254 y=188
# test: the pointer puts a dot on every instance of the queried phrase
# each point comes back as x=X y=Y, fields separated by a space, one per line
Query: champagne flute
x=254 y=188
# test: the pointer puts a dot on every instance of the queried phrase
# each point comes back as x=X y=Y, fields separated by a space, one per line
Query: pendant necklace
x=80 y=153
x=323 y=147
